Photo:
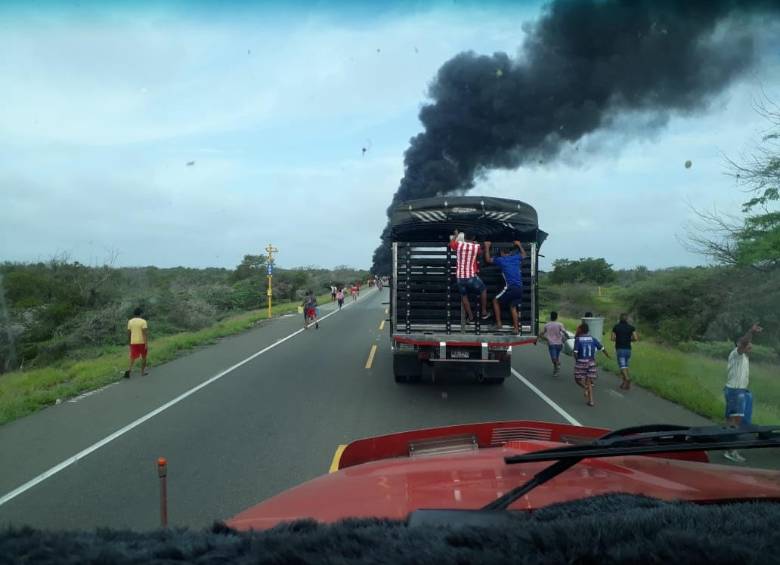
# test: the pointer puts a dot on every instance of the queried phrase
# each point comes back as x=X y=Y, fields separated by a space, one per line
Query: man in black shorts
x=512 y=295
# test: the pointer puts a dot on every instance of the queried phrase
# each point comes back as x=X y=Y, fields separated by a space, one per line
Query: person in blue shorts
x=512 y=295
x=739 y=399
x=624 y=334
x=555 y=334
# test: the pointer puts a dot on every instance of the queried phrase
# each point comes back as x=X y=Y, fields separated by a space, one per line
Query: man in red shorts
x=138 y=335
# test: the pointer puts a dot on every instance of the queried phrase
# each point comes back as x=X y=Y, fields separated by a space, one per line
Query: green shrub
x=722 y=349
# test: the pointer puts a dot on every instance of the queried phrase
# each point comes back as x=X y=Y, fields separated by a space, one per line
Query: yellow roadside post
x=270 y=249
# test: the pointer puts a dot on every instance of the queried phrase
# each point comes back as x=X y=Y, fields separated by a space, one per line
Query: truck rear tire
x=494 y=381
x=495 y=374
x=406 y=368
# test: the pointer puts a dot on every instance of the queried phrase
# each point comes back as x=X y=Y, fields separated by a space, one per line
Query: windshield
x=240 y=236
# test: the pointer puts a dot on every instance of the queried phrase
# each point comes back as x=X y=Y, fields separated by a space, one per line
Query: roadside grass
x=24 y=392
x=692 y=380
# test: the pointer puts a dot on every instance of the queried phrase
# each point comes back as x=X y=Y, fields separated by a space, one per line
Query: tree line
x=63 y=309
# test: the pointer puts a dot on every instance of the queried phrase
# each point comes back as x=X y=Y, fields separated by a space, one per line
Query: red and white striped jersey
x=467 y=253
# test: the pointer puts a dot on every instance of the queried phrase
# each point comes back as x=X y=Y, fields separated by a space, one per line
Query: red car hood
x=392 y=488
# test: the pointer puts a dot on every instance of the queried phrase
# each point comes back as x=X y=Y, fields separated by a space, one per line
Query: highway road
x=257 y=413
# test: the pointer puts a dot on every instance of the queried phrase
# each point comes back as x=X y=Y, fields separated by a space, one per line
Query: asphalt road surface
x=259 y=425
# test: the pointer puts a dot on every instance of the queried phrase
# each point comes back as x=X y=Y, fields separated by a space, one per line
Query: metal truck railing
x=425 y=296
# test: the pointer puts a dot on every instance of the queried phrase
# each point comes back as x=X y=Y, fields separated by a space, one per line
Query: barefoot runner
x=585 y=349
x=623 y=334
x=554 y=333
x=340 y=297
x=138 y=336
x=512 y=295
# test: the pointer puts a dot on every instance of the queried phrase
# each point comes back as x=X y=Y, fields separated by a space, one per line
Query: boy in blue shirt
x=585 y=348
x=511 y=267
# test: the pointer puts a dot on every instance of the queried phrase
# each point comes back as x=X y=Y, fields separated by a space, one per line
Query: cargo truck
x=429 y=330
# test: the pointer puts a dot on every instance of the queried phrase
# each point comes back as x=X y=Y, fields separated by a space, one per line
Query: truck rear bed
x=426 y=305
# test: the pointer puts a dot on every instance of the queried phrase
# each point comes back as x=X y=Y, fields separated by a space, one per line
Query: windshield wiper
x=639 y=440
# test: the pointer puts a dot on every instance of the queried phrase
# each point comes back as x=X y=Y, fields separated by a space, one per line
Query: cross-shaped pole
x=270 y=249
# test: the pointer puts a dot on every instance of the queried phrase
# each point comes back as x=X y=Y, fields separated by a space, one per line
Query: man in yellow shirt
x=138 y=335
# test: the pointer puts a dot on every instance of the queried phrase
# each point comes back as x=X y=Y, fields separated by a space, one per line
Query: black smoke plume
x=583 y=63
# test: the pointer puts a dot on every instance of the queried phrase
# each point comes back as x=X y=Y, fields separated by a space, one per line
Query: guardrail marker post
x=162 y=472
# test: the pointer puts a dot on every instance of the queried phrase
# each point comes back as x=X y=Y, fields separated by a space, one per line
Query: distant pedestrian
x=623 y=334
x=554 y=333
x=578 y=331
x=333 y=294
x=739 y=400
x=138 y=336
x=585 y=372
x=357 y=285
x=340 y=297
x=310 y=311
x=511 y=265
x=354 y=292
x=466 y=253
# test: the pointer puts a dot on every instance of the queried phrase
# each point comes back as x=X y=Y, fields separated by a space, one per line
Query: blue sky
x=103 y=105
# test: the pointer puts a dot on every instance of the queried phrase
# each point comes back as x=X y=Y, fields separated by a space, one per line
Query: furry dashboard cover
x=603 y=530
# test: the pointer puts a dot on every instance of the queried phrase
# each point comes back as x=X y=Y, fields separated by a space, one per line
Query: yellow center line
x=371 y=357
x=334 y=464
x=381 y=325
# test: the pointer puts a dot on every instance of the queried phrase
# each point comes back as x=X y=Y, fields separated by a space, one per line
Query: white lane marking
x=569 y=418
x=135 y=423
x=89 y=393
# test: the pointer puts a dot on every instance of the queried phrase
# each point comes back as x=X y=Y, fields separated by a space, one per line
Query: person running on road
x=353 y=291
x=739 y=400
x=333 y=293
x=554 y=333
x=512 y=295
x=340 y=297
x=310 y=310
x=585 y=373
x=138 y=336
x=466 y=267
x=623 y=334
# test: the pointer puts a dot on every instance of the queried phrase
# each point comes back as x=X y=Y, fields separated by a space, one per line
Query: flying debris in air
x=688 y=164
x=501 y=111
x=190 y=163
x=366 y=147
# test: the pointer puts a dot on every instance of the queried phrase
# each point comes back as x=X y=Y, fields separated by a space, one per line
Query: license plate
x=459 y=354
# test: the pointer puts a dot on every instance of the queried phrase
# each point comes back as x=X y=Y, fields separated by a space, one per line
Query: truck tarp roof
x=486 y=218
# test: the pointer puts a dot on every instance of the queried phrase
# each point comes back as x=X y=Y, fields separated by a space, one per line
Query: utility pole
x=270 y=249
